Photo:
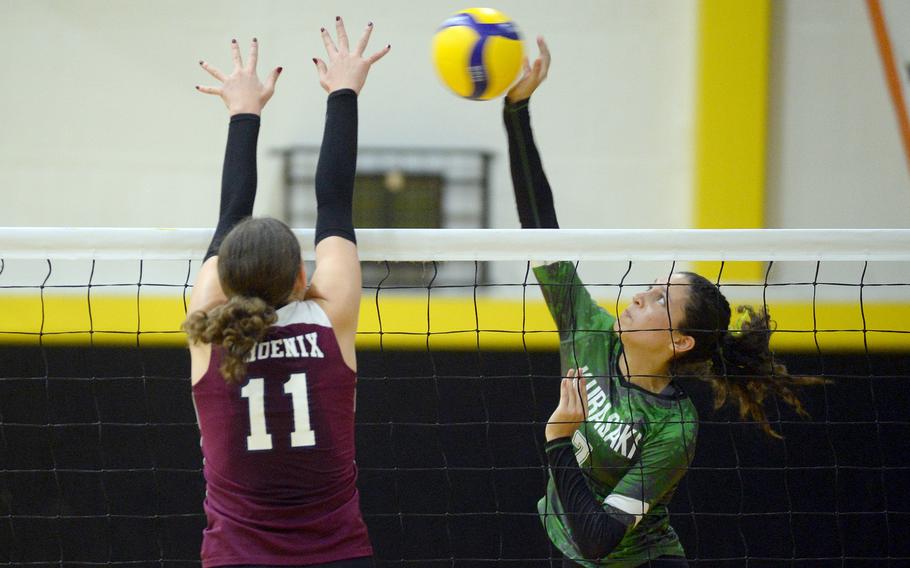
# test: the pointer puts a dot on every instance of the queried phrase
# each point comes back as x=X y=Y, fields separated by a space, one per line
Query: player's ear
x=300 y=280
x=682 y=343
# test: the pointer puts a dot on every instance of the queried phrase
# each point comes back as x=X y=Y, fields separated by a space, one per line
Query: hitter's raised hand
x=533 y=74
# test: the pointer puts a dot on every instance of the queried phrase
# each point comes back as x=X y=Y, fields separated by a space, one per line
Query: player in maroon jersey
x=273 y=364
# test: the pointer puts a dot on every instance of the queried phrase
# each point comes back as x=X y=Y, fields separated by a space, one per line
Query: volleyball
x=477 y=53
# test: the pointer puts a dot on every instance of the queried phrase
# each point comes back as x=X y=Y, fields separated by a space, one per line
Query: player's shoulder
x=675 y=421
x=302 y=312
x=669 y=412
x=675 y=405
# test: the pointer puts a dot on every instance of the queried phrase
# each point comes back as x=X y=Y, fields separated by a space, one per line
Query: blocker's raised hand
x=241 y=91
x=346 y=69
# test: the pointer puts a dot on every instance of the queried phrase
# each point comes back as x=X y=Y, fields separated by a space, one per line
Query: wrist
x=342 y=91
x=556 y=432
x=515 y=105
x=517 y=100
x=558 y=443
x=244 y=116
x=244 y=109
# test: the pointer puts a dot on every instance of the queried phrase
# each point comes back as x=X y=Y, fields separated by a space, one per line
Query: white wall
x=102 y=126
x=835 y=157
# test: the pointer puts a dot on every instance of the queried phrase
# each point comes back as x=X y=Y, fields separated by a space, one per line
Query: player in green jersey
x=624 y=432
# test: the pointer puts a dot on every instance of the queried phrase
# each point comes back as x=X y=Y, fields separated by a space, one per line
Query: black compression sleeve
x=595 y=531
x=336 y=168
x=532 y=190
x=238 y=177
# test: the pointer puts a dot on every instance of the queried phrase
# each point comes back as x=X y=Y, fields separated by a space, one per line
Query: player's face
x=654 y=312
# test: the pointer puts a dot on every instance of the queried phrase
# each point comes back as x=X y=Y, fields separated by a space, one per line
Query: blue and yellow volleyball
x=477 y=53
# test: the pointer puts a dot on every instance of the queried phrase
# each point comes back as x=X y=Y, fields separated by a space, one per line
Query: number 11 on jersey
x=259 y=438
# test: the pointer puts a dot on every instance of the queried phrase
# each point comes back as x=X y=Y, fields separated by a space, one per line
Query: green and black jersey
x=635 y=446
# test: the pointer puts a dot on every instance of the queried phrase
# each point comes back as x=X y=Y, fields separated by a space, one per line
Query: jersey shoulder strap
x=302 y=312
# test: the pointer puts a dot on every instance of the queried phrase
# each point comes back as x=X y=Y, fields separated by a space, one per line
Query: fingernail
x=370 y=25
x=389 y=46
x=337 y=18
x=314 y=61
x=255 y=40
x=201 y=62
x=233 y=41
x=280 y=69
x=197 y=87
x=322 y=29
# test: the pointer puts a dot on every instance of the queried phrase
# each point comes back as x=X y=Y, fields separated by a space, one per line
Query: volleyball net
x=458 y=372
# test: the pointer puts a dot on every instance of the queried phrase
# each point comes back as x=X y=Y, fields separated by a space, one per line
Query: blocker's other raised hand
x=346 y=68
x=241 y=91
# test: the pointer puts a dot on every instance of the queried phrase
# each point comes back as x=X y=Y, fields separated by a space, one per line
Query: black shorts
x=364 y=562
x=659 y=562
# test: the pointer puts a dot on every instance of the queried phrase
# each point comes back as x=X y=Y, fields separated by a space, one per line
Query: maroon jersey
x=278 y=450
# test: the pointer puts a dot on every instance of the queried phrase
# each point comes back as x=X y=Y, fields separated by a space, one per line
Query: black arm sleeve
x=336 y=168
x=595 y=531
x=532 y=190
x=238 y=177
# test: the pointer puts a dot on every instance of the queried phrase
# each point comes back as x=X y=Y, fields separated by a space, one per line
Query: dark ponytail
x=737 y=363
x=235 y=326
x=258 y=266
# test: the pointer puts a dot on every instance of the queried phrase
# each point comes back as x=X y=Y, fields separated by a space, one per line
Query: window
x=429 y=188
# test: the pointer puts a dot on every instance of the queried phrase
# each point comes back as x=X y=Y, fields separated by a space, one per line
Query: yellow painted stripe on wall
x=505 y=324
x=731 y=117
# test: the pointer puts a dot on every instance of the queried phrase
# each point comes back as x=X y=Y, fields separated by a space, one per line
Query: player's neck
x=643 y=373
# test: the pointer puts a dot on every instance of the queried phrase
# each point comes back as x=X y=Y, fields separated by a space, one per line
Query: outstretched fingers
x=364 y=40
x=344 y=68
x=209 y=90
x=544 y=57
x=537 y=71
x=254 y=56
x=565 y=393
x=270 y=81
x=212 y=70
x=330 y=48
x=343 y=46
x=582 y=392
x=577 y=392
x=235 y=55
x=525 y=67
x=322 y=69
x=379 y=54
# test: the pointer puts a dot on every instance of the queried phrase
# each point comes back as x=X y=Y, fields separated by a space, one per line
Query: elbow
x=596 y=550
x=598 y=539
